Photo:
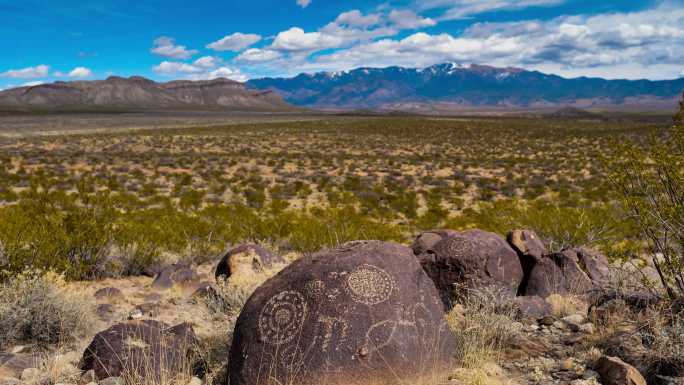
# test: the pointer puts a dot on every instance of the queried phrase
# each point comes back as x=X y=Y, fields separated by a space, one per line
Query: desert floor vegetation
x=89 y=221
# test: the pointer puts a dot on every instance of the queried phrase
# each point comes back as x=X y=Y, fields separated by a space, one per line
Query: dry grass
x=39 y=308
x=483 y=326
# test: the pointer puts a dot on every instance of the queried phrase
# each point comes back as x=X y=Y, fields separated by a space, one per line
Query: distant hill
x=139 y=94
x=475 y=86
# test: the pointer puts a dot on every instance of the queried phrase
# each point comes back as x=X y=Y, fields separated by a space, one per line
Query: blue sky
x=68 y=40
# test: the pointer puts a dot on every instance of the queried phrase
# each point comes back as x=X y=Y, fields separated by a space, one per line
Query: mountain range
x=476 y=86
x=139 y=94
x=442 y=88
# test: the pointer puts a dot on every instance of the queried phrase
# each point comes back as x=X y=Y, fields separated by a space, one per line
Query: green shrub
x=39 y=308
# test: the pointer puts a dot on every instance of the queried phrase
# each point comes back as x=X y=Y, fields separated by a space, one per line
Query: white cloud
x=459 y=9
x=80 y=72
x=222 y=72
x=295 y=39
x=256 y=55
x=39 y=71
x=355 y=18
x=207 y=62
x=167 y=47
x=303 y=3
x=408 y=19
x=173 y=68
x=235 y=42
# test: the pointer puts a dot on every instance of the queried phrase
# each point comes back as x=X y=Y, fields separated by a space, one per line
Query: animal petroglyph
x=282 y=317
x=315 y=288
x=370 y=285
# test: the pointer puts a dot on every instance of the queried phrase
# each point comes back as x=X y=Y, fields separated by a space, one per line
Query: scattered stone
x=533 y=306
x=135 y=314
x=105 y=311
x=473 y=259
x=88 y=376
x=13 y=365
x=587 y=328
x=365 y=308
x=547 y=320
x=614 y=371
x=113 y=381
x=149 y=309
x=142 y=349
x=30 y=374
x=195 y=381
x=246 y=259
x=108 y=293
x=17 y=349
x=9 y=381
x=178 y=273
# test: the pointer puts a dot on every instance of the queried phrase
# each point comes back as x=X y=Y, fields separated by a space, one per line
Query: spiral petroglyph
x=370 y=285
x=282 y=317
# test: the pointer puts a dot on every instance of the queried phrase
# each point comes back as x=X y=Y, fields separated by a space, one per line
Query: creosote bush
x=37 y=307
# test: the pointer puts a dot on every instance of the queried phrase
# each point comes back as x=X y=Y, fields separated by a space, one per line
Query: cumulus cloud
x=408 y=19
x=647 y=43
x=355 y=18
x=303 y=3
x=39 y=71
x=167 y=47
x=459 y=9
x=235 y=42
x=295 y=39
x=256 y=55
x=80 y=72
x=204 y=68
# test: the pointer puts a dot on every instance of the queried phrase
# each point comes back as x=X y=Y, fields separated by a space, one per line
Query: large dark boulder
x=426 y=241
x=246 y=258
x=363 y=312
x=473 y=259
x=572 y=271
x=145 y=350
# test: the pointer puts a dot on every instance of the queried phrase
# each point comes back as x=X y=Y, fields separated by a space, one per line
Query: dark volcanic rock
x=177 y=273
x=141 y=349
x=527 y=243
x=426 y=240
x=576 y=270
x=474 y=259
x=533 y=306
x=247 y=257
x=362 y=312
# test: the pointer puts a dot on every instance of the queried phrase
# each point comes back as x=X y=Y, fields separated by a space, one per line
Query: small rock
x=567 y=365
x=575 y=319
x=112 y=381
x=9 y=381
x=195 y=381
x=135 y=314
x=589 y=374
x=547 y=320
x=614 y=371
x=30 y=374
x=587 y=328
x=17 y=349
x=560 y=325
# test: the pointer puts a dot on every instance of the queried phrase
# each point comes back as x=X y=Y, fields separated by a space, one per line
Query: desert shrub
x=331 y=227
x=650 y=184
x=559 y=225
x=37 y=307
x=56 y=233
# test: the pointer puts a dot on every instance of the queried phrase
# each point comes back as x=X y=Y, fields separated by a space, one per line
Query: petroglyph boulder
x=471 y=259
x=245 y=259
x=363 y=312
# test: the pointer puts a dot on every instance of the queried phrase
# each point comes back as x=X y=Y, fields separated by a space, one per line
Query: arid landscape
x=134 y=222
x=311 y=192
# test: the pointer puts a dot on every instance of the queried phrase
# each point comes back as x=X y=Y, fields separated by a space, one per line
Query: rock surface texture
x=472 y=259
x=145 y=350
x=363 y=312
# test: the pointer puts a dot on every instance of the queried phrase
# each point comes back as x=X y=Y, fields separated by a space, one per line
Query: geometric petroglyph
x=460 y=247
x=315 y=288
x=282 y=317
x=370 y=285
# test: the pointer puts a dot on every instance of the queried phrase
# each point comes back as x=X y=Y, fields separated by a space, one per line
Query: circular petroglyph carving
x=370 y=284
x=282 y=317
x=457 y=246
x=315 y=288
